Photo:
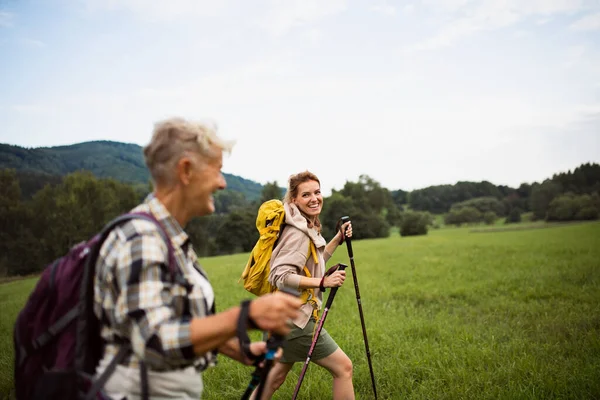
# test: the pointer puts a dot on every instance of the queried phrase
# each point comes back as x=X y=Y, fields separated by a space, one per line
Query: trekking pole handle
x=343 y=220
x=334 y=290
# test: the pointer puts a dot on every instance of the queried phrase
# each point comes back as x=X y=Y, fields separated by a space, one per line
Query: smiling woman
x=170 y=321
x=298 y=262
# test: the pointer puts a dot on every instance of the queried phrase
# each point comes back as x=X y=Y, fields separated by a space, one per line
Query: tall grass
x=451 y=315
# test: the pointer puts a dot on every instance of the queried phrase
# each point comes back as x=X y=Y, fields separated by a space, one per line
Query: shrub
x=489 y=217
x=514 y=216
x=414 y=223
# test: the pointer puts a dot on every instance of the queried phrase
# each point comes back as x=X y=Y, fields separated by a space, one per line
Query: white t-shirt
x=196 y=278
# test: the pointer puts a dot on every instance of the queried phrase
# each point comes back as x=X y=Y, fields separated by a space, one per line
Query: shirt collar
x=169 y=223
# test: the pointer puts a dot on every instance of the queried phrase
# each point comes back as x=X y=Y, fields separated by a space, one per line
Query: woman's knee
x=346 y=367
x=343 y=368
x=278 y=379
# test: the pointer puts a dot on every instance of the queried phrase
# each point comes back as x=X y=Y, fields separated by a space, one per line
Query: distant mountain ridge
x=105 y=159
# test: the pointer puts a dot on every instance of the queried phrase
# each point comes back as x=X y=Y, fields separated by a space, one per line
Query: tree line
x=45 y=223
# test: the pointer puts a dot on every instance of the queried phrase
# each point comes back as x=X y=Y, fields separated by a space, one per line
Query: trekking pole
x=261 y=372
x=343 y=220
x=273 y=344
x=317 y=333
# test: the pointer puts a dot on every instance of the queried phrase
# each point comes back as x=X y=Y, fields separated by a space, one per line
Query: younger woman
x=298 y=262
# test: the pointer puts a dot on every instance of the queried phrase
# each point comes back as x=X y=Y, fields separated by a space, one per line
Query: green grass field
x=450 y=315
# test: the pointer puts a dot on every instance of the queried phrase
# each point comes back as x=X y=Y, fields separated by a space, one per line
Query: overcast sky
x=411 y=93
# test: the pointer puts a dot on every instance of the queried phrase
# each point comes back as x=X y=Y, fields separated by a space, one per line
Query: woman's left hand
x=347 y=228
x=260 y=348
x=257 y=349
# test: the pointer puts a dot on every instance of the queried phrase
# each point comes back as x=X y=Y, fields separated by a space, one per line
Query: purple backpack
x=57 y=338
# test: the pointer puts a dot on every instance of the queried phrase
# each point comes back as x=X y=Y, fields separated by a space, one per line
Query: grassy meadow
x=452 y=315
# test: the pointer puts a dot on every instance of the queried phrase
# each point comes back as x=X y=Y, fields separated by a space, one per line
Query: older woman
x=171 y=325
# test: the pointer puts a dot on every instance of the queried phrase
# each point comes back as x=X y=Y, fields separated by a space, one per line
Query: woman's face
x=309 y=198
x=205 y=179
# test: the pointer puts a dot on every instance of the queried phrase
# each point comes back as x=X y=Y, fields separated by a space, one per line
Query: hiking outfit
x=137 y=301
x=291 y=259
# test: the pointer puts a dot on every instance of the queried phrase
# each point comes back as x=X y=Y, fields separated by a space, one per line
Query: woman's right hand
x=336 y=279
x=272 y=312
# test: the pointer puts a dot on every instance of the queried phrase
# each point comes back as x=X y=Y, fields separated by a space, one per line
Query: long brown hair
x=292 y=191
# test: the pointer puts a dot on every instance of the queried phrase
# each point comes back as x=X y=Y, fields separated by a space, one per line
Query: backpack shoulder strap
x=147 y=217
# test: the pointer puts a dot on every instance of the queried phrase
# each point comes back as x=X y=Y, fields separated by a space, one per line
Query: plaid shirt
x=136 y=299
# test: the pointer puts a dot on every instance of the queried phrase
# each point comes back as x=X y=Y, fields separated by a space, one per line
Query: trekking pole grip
x=334 y=290
x=348 y=240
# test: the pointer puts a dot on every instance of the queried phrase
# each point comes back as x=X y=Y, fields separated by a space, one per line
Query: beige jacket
x=291 y=255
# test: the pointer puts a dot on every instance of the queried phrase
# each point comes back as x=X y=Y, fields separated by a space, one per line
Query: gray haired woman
x=172 y=326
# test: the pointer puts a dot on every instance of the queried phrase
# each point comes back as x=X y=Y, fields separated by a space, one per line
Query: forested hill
x=105 y=159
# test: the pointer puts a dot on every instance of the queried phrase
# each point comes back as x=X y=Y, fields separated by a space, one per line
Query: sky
x=410 y=93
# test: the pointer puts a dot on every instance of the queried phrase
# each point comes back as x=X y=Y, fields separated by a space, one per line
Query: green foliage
x=44 y=213
x=584 y=179
x=541 y=197
x=368 y=219
x=439 y=199
x=483 y=205
x=15 y=237
x=237 y=233
x=489 y=217
x=202 y=232
x=514 y=216
x=58 y=217
x=105 y=159
x=463 y=215
x=271 y=191
x=31 y=182
x=369 y=226
x=393 y=215
x=228 y=200
x=400 y=197
x=569 y=207
x=122 y=161
x=415 y=223
x=368 y=193
x=335 y=207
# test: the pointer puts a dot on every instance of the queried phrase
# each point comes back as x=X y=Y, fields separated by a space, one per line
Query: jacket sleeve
x=288 y=259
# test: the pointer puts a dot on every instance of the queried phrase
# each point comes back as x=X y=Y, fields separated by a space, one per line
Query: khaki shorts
x=299 y=340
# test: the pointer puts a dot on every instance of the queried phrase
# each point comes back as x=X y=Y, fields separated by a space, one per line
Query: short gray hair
x=175 y=137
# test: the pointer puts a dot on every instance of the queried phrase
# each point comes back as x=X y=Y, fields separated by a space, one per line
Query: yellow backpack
x=270 y=222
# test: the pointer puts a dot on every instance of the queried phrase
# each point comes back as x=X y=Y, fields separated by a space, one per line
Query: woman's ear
x=185 y=170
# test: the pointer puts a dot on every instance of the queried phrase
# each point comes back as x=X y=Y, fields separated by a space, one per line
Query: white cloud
x=385 y=8
x=408 y=9
x=587 y=23
x=32 y=42
x=31 y=109
x=470 y=16
x=574 y=55
x=270 y=99
x=314 y=35
x=406 y=121
x=6 y=19
x=161 y=10
x=285 y=15
x=277 y=17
